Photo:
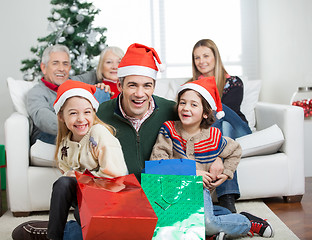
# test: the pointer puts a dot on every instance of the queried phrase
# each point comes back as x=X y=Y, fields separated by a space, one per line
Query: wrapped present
x=114 y=208
x=2 y=167
x=171 y=167
x=178 y=203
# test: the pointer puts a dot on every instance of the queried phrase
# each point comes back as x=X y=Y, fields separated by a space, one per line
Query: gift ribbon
x=176 y=199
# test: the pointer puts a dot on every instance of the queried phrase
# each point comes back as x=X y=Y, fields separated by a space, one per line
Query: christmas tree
x=71 y=25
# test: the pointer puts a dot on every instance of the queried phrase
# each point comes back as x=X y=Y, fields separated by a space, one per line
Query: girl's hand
x=207 y=178
x=220 y=179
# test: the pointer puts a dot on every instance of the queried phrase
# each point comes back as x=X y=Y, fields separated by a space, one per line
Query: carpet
x=258 y=208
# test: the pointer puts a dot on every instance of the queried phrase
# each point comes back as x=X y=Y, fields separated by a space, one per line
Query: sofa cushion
x=266 y=141
x=42 y=154
x=18 y=90
x=251 y=96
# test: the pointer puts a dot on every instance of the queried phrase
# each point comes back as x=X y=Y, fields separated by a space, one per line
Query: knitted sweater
x=39 y=105
x=233 y=94
x=204 y=147
x=137 y=146
x=98 y=151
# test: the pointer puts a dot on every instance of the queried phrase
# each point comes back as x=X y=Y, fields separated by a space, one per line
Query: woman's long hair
x=219 y=71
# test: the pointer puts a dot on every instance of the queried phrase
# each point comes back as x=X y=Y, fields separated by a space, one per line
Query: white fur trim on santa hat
x=162 y=67
x=76 y=92
x=220 y=114
x=203 y=91
x=136 y=70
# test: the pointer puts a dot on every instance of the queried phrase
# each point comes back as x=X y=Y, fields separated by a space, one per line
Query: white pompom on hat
x=72 y=88
x=208 y=89
x=140 y=60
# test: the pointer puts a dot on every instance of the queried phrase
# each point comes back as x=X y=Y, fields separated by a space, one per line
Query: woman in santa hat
x=206 y=62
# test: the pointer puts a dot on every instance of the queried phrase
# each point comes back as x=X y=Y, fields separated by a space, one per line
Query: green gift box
x=178 y=203
x=2 y=167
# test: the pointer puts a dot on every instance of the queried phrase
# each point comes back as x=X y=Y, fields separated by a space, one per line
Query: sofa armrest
x=16 y=130
x=290 y=120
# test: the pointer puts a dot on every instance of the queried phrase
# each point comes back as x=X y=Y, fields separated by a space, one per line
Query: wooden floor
x=297 y=216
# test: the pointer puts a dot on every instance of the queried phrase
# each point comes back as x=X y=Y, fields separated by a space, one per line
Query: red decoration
x=306 y=104
x=114 y=208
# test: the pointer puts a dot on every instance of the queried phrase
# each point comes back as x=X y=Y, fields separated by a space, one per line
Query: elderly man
x=55 y=66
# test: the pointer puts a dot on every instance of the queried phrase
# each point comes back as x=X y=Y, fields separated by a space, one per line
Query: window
x=172 y=27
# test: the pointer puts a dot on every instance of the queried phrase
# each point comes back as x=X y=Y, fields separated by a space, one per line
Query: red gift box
x=114 y=208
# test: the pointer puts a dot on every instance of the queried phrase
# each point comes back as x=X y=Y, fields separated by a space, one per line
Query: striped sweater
x=204 y=147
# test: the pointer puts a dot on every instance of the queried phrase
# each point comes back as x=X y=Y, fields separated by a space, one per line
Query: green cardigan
x=137 y=147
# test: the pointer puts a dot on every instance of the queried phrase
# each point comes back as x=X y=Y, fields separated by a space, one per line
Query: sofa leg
x=21 y=214
x=292 y=199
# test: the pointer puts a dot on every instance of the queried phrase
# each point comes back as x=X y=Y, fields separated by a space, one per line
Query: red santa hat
x=208 y=89
x=140 y=60
x=72 y=88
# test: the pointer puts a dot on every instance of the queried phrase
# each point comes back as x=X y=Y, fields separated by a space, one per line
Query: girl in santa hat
x=83 y=142
x=194 y=138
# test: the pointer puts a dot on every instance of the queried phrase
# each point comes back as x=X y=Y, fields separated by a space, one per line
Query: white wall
x=285 y=45
x=285 y=32
x=21 y=23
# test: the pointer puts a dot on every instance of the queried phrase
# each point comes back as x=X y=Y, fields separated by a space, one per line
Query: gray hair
x=54 y=48
x=116 y=50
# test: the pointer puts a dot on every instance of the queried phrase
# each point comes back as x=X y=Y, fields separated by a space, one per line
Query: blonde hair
x=63 y=131
x=115 y=50
x=219 y=70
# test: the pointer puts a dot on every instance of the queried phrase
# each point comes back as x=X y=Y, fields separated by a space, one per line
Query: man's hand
x=216 y=168
x=207 y=179
x=105 y=87
x=220 y=179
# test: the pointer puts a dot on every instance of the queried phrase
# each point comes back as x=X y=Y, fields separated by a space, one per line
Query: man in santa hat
x=136 y=113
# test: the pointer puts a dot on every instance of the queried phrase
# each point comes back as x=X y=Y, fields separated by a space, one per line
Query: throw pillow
x=42 y=154
x=251 y=96
x=168 y=87
x=18 y=90
x=266 y=141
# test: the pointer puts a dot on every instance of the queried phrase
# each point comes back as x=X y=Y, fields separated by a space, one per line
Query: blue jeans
x=219 y=219
x=231 y=125
x=101 y=95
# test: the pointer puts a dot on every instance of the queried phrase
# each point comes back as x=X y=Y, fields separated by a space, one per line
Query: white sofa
x=269 y=169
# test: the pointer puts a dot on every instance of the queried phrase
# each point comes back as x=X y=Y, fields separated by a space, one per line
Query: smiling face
x=204 y=61
x=78 y=115
x=190 y=111
x=56 y=71
x=110 y=65
x=137 y=92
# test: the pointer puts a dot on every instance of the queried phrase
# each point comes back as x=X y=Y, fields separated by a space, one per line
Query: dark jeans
x=231 y=125
x=229 y=187
x=64 y=196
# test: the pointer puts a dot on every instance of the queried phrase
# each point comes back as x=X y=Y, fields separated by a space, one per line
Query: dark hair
x=206 y=122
